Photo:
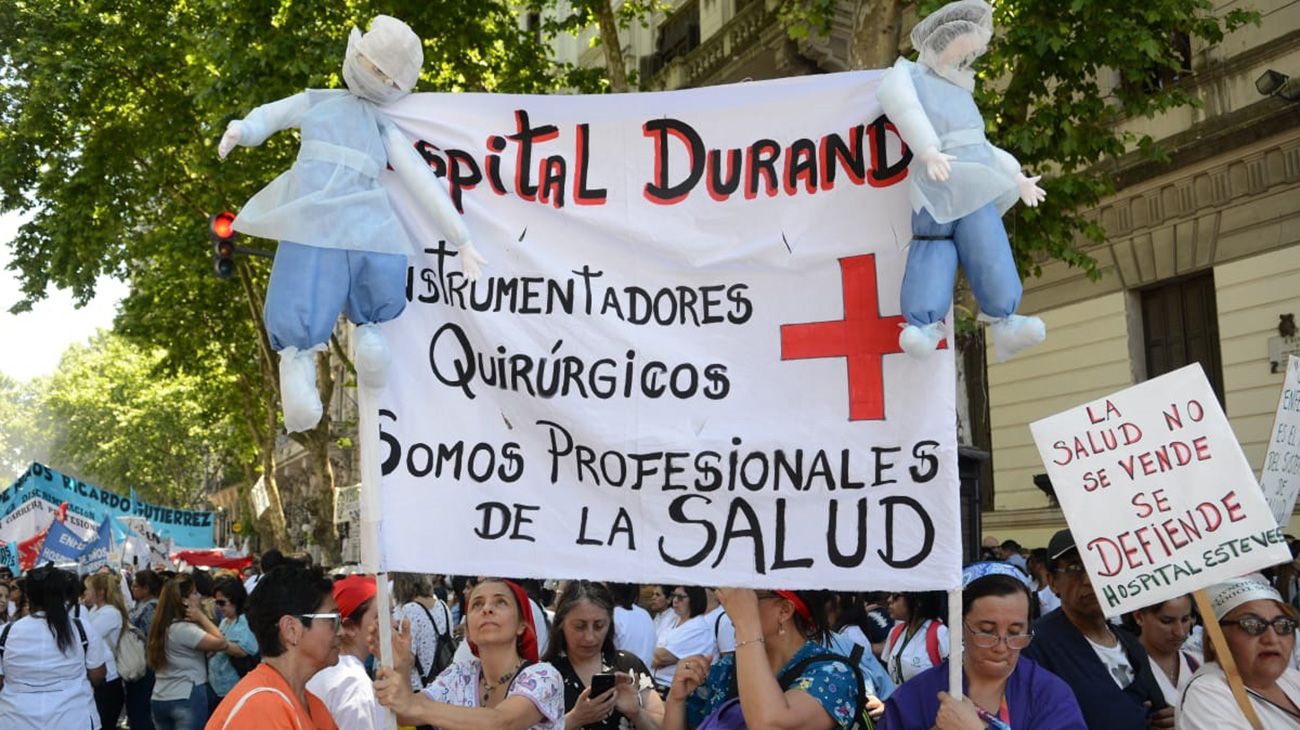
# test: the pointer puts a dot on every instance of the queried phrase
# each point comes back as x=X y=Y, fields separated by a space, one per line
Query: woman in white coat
x=49 y=661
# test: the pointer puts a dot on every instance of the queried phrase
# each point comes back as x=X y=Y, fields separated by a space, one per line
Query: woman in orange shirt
x=293 y=615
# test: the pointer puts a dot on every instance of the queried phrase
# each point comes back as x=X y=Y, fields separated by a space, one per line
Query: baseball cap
x=1061 y=543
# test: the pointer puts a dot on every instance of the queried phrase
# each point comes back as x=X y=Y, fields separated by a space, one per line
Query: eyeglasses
x=679 y=596
x=336 y=618
x=988 y=641
x=1073 y=569
x=220 y=602
x=1255 y=626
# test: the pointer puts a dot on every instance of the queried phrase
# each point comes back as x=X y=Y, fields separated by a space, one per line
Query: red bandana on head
x=527 y=641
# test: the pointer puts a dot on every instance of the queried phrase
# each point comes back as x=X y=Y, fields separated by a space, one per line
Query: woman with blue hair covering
x=1002 y=690
x=342 y=248
x=959 y=184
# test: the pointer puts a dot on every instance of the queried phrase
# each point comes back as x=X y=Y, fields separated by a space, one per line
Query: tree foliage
x=121 y=423
x=1049 y=94
x=25 y=434
x=110 y=112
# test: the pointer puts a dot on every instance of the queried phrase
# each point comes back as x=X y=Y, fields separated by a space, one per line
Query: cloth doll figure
x=960 y=185
x=342 y=247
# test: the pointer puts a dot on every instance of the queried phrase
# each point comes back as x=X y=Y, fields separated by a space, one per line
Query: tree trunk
x=320 y=499
x=609 y=40
x=877 y=31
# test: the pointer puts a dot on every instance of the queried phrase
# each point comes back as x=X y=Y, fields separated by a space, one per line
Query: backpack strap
x=446 y=612
x=419 y=666
x=932 y=643
x=85 y=642
x=787 y=678
x=894 y=633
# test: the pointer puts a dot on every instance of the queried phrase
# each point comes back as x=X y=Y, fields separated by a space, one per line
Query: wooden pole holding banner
x=371 y=471
x=1215 y=633
x=954 y=644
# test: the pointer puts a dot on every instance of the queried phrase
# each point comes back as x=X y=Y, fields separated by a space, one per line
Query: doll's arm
x=897 y=96
x=1030 y=193
x=262 y=122
x=429 y=193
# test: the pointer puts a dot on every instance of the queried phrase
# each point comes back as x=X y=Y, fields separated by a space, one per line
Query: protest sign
x=96 y=554
x=26 y=506
x=140 y=528
x=61 y=545
x=1280 y=477
x=682 y=361
x=1157 y=491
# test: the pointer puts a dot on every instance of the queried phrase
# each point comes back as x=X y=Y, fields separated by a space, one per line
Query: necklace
x=503 y=680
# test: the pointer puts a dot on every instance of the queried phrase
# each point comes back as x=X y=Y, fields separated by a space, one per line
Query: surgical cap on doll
x=392 y=47
x=940 y=28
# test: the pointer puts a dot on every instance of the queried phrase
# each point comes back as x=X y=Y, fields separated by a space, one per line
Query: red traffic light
x=223 y=225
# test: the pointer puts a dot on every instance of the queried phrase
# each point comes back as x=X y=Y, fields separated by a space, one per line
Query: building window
x=1180 y=326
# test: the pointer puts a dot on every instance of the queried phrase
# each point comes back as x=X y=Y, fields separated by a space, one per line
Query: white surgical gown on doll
x=977 y=178
x=331 y=196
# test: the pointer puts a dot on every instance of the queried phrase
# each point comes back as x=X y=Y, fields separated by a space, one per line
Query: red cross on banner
x=863 y=337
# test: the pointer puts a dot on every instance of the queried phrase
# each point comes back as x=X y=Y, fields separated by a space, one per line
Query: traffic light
x=221 y=229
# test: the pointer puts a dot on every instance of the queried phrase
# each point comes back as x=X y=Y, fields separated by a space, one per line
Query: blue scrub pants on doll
x=978 y=243
x=310 y=286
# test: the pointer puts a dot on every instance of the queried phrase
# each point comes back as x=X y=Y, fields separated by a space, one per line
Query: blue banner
x=61 y=545
x=96 y=553
x=187 y=528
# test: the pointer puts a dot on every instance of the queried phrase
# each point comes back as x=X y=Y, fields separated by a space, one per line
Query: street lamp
x=1276 y=83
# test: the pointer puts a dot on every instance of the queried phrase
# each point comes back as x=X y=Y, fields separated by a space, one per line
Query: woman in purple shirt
x=1003 y=690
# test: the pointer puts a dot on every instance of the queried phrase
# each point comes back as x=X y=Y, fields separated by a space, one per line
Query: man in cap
x=1108 y=670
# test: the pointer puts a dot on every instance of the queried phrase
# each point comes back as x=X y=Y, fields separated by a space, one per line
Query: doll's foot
x=1016 y=332
x=919 y=342
x=298 y=394
x=373 y=356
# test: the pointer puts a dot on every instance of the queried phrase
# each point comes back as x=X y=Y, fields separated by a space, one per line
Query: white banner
x=1280 y=477
x=682 y=362
x=1158 y=494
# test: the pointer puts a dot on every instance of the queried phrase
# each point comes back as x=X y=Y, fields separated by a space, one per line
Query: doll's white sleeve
x=423 y=184
x=268 y=119
x=1007 y=161
x=897 y=96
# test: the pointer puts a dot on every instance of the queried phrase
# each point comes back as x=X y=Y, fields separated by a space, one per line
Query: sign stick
x=1215 y=632
x=954 y=644
x=370 y=557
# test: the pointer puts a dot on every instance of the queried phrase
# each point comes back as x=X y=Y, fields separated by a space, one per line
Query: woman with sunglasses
x=780 y=675
x=502 y=686
x=693 y=634
x=296 y=622
x=1003 y=689
x=920 y=639
x=1259 y=628
x=229 y=597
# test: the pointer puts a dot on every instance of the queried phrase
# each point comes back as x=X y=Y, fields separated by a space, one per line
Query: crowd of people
x=286 y=646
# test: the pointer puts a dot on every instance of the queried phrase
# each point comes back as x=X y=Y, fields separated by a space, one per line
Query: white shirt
x=106 y=622
x=348 y=694
x=1116 y=662
x=46 y=689
x=665 y=621
x=634 y=632
x=691 y=637
x=1207 y=703
x=251 y=582
x=909 y=657
x=1047 y=601
x=724 y=633
x=1171 y=691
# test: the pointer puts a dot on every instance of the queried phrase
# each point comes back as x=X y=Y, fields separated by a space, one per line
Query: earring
x=780 y=629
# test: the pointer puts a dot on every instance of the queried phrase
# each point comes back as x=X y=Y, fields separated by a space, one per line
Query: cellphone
x=601 y=683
